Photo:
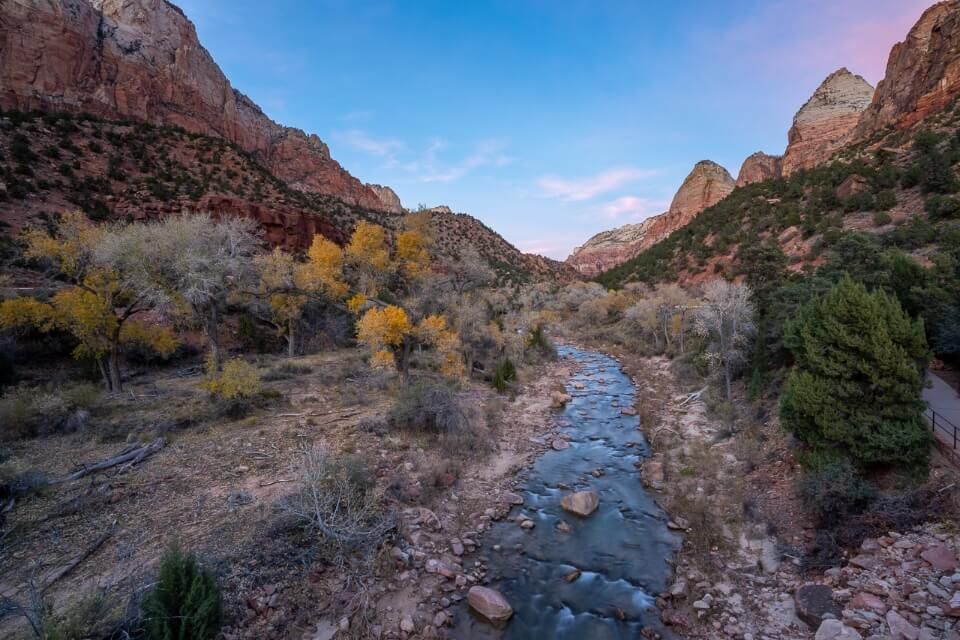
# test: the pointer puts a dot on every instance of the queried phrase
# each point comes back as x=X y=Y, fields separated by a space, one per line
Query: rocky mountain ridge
x=704 y=186
x=142 y=60
x=844 y=112
x=922 y=75
x=759 y=167
x=824 y=123
x=177 y=135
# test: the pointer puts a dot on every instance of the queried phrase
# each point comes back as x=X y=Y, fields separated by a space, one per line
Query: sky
x=549 y=120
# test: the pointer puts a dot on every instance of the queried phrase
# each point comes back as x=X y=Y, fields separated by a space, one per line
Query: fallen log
x=73 y=564
x=128 y=458
x=692 y=397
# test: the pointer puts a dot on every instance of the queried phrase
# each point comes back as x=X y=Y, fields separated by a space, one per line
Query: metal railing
x=940 y=424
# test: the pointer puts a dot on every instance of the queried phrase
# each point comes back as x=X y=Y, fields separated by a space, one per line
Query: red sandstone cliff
x=759 y=167
x=141 y=59
x=923 y=73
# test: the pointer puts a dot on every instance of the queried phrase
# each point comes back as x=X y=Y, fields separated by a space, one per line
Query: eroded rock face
x=287 y=227
x=825 y=123
x=141 y=59
x=706 y=185
x=923 y=73
x=609 y=248
x=389 y=198
x=759 y=167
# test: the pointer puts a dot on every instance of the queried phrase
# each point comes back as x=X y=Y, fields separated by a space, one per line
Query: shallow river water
x=621 y=550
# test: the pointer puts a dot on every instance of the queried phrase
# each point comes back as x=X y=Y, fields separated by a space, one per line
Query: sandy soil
x=214 y=488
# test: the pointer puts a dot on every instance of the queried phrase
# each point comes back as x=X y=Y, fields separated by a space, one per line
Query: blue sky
x=550 y=120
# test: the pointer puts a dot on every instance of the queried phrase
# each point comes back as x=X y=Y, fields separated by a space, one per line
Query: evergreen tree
x=185 y=605
x=857 y=381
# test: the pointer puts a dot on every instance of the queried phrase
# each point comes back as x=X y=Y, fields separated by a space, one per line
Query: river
x=621 y=550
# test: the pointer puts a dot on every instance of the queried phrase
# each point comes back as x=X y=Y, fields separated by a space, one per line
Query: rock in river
x=581 y=503
x=489 y=604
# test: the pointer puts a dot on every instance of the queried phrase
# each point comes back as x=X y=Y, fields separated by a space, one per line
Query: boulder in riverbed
x=489 y=604
x=581 y=503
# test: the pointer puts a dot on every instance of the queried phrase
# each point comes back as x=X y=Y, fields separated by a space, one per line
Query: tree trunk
x=401 y=356
x=213 y=339
x=113 y=364
x=683 y=313
x=101 y=365
x=726 y=377
x=291 y=338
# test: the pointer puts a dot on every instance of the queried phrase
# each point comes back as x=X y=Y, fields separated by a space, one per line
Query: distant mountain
x=850 y=165
x=845 y=116
x=707 y=184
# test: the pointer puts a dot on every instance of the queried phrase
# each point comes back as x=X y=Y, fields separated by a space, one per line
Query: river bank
x=730 y=485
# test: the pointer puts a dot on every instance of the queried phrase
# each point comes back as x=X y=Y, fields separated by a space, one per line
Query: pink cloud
x=821 y=35
x=580 y=189
x=634 y=207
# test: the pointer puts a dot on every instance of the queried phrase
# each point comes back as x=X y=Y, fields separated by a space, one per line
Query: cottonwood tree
x=725 y=320
x=198 y=262
x=281 y=285
x=99 y=305
x=368 y=258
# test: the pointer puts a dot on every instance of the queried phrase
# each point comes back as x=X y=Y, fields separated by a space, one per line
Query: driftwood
x=273 y=482
x=73 y=564
x=691 y=397
x=128 y=457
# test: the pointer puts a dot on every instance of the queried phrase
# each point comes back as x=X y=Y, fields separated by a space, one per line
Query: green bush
x=856 y=385
x=834 y=492
x=886 y=200
x=942 y=207
x=504 y=375
x=185 y=604
x=881 y=218
x=538 y=345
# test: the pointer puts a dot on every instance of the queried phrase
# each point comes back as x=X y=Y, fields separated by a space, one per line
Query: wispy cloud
x=359 y=140
x=485 y=153
x=633 y=207
x=580 y=189
x=360 y=115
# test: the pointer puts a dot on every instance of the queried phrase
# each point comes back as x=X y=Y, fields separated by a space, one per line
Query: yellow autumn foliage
x=368 y=246
x=412 y=253
x=356 y=303
x=382 y=359
x=433 y=330
x=73 y=247
x=385 y=327
x=22 y=312
x=160 y=339
x=287 y=306
x=324 y=269
x=237 y=380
